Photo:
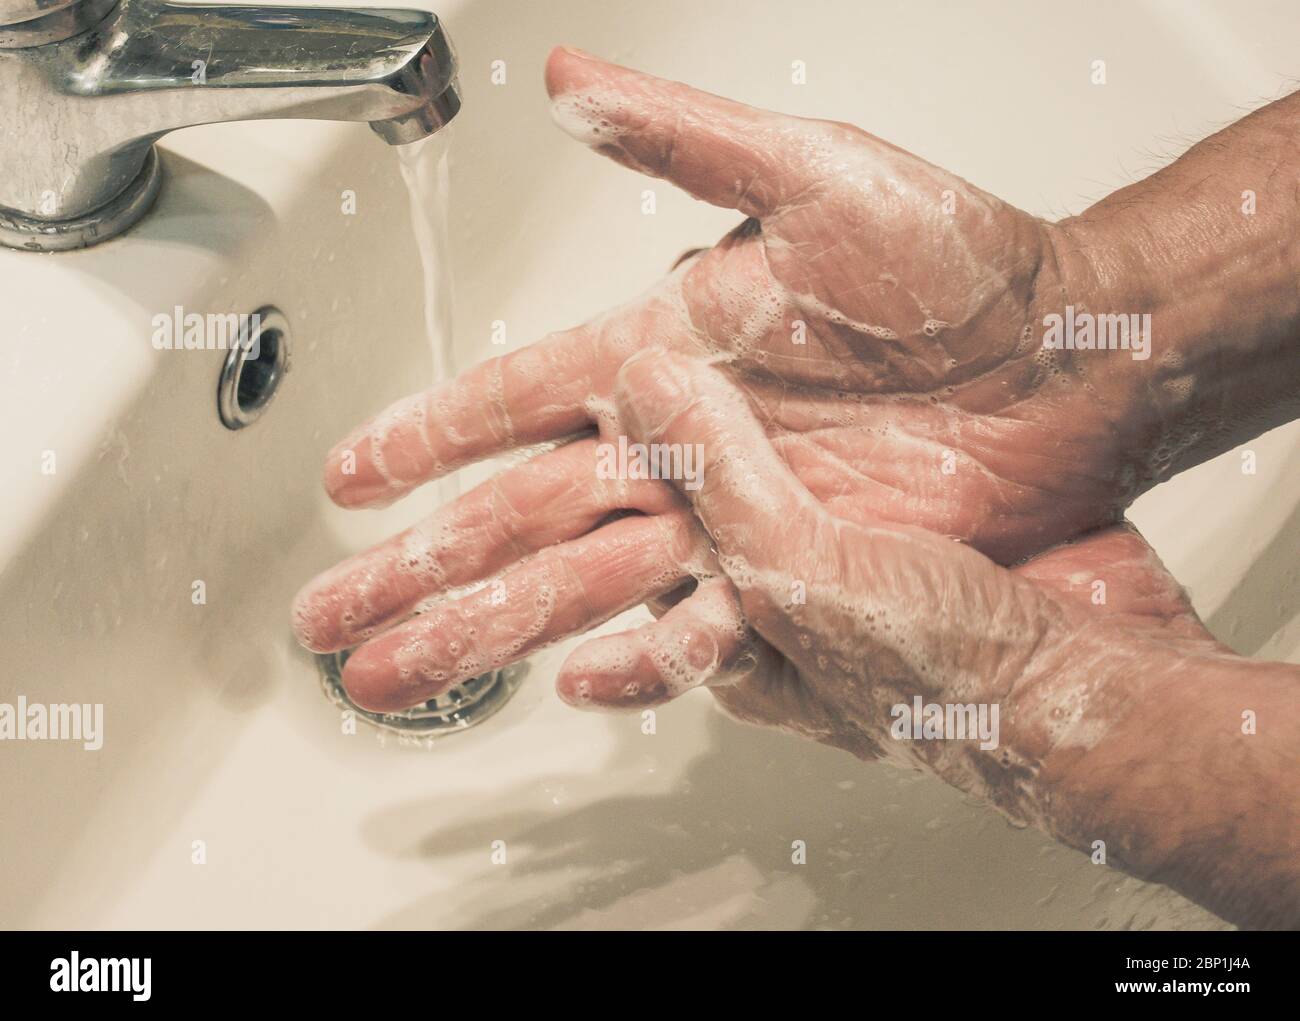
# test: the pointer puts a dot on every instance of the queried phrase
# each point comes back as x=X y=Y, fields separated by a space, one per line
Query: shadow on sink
x=886 y=848
x=1267 y=597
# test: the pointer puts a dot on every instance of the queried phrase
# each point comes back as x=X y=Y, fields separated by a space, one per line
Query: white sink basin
x=215 y=726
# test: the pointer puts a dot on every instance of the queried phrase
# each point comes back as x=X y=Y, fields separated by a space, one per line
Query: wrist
x=1100 y=314
x=1190 y=781
x=1100 y=272
x=1206 y=255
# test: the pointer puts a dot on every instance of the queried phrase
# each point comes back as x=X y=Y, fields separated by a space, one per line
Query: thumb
x=686 y=413
x=723 y=152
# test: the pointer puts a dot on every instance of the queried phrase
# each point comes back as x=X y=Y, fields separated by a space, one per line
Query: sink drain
x=254 y=368
x=458 y=709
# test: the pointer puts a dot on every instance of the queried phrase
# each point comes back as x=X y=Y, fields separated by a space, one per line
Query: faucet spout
x=187 y=64
x=88 y=103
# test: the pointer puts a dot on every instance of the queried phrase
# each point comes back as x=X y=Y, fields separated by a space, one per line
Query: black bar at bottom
x=383 y=970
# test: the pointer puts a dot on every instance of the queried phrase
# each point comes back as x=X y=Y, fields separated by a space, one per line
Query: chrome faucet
x=88 y=86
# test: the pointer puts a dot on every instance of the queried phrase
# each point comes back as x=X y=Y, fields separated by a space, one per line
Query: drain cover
x=457 y=709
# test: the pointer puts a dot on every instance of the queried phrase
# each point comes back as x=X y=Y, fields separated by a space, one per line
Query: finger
x=532 y=395
x=702 y=640
x=540 y=393
x=551 y=498
x=717 y=150
x=563 y=590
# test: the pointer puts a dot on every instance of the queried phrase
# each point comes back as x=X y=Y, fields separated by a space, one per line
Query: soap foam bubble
x=592 y=118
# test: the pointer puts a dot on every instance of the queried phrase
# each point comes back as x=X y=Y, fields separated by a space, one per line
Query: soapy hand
x=855 y=617
x=880 y=316
x=1116 y=717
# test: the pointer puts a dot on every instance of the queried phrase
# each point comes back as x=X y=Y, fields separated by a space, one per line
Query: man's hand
x=881 y=316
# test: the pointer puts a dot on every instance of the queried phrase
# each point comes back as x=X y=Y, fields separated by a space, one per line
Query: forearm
x=1210 y=247
x=1195 y=785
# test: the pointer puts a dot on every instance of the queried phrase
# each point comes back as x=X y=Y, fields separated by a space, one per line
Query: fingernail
x=351 y=476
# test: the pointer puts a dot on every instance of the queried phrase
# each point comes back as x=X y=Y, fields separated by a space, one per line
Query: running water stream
x=425 y=171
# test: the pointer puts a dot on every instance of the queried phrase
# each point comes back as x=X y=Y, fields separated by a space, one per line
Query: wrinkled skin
x=881 y=316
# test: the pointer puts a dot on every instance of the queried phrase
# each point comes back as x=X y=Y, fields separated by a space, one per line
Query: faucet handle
x=14 y=11
x=33 y=22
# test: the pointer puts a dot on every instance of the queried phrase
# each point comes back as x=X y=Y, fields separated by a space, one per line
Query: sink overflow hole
x=254 y=368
